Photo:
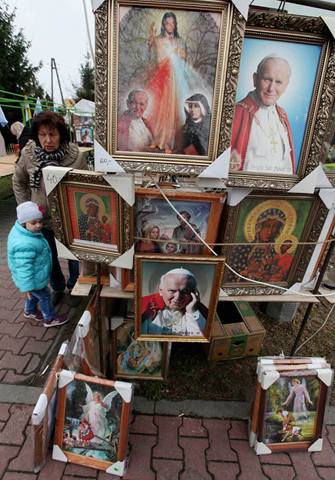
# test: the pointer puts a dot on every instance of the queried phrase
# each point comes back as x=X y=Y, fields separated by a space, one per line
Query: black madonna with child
x=255 y=261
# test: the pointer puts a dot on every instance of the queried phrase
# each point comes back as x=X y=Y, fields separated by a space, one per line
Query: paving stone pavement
x=209 y=441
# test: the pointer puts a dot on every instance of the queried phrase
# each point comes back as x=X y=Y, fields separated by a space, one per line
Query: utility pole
x=54 y=67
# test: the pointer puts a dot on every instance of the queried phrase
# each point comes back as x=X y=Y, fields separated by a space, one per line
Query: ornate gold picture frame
x=284 y=99
x=153 y=68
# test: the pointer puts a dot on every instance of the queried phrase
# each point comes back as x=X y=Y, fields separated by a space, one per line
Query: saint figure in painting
x=301 y=398
x=168 y=82
x=261 y=137
x=176 y=309
x=195 y=131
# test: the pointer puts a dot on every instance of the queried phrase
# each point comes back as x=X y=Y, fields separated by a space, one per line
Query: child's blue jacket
x=29 y=258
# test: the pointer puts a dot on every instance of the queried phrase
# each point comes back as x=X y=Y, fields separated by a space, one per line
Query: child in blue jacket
x=30 y=261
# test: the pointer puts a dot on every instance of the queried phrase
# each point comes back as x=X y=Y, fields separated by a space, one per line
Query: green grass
x=6 y=185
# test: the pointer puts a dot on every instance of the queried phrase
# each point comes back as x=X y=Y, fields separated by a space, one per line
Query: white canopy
x=84 y=108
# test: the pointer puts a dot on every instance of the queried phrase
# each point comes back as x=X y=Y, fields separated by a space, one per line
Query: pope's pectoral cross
x=273 y=141
x=235 y=161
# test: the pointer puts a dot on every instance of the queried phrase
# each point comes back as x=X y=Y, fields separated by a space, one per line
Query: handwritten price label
x=52 y=179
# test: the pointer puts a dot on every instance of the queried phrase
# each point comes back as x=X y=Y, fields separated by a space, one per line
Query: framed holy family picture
x=171 y=68
x=176 y=297
x=157 y=228
x=265 y=242
x=284 y=98
x=92 y=424
x=86 y=212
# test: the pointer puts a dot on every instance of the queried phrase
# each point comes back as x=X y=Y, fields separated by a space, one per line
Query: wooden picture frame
x=135 y=359
x=131 y=55
x=292 y=146
x=100 y=235
x=184 y=281
x=44 y=414
x=292 y=405
x=291 y=219
x=92 y=425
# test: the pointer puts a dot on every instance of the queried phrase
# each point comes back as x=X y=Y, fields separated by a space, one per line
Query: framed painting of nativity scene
x=176 y=297
x=92 y=422
x=264 y=239
x=284 y=96
x=172 y=79
x=86 y=215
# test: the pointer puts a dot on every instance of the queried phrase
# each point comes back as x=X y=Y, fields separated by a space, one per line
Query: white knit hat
x=28 y=211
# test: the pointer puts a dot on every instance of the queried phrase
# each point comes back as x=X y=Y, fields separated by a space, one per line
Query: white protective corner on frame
x=125 y=390
x=252 y=438
x=52 y=176
x=40 y=409
x=63 y=251
x=318 y=248
x=316 y=179
x=65 y=377
x=268 y=378
x=242 y=6
x=116 y=322
x=210 y=182
x=113 y=283
x=96 y=4
x=219 y=168
x=124 y=184
x=236 y=195
x=104 y=162
x=316 y=446
x=117 y=468
x=330 y=22
x=293 y=289
x=261 y=448
x=84 y=324
x=125 y=261
x=57 y=454
x=326 y=375
x=63 y=348
x=223 y=293
x=327 y=195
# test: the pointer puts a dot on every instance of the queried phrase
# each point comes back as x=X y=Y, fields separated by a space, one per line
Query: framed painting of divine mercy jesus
x=171 y=71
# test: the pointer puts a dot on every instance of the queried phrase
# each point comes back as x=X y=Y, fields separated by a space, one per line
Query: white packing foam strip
x=52 y=176
x=294 y=289
x=63 y=348
x=104 y=162
x=113 y=283
x=84 y=324
x=40 y=409
x=116 y=322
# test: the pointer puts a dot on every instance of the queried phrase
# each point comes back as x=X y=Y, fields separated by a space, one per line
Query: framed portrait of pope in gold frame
x=171 y=72
x=284 y=98
x=266 y=242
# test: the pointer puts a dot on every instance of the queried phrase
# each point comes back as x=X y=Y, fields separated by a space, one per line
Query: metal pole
x=98 y=310
x=315 y=290
x=52 y=80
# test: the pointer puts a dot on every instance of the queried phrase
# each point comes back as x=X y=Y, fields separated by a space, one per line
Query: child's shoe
x=57 y=321
x=36 y=315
